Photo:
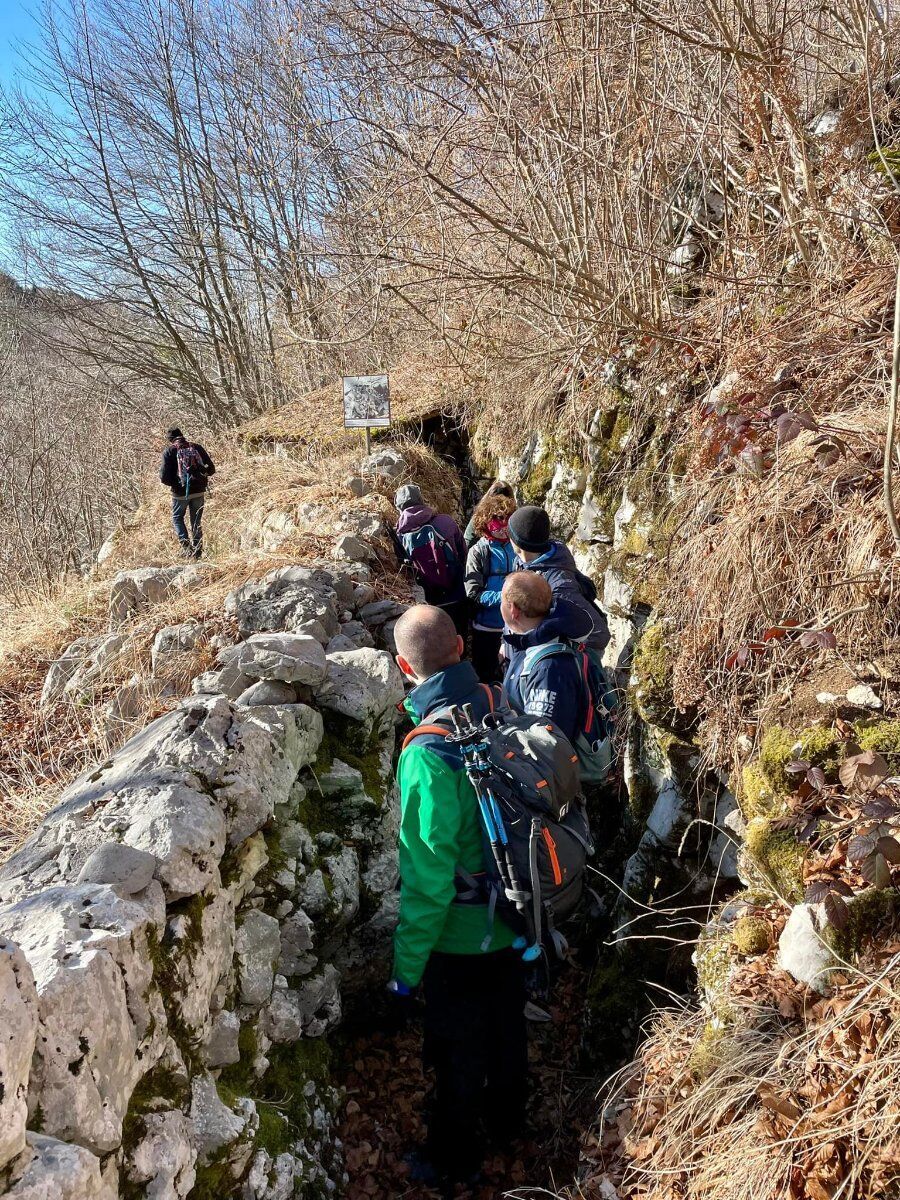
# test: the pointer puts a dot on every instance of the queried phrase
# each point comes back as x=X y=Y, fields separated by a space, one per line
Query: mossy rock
x=751 y=936
x=652 y=669
x=883 y=736
x=766 y=781
x=709 y=1051
x=870 y=912
x=714 y=961
x=777 y=856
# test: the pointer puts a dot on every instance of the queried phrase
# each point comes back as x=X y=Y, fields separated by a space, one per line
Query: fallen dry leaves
x=386 y=1090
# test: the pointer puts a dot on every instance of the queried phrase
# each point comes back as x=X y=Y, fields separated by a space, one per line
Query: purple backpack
x=191 y=466
x=433 y=558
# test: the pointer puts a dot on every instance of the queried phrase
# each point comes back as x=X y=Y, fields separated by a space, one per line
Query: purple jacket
x=422 y=514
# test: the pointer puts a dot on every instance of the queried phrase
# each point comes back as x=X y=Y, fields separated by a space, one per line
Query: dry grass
x=804 y=543
x=422 y=386
x=42 y=752
x=794 y=1097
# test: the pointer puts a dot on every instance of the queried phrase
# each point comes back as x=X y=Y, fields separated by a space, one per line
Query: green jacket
x=440 y=829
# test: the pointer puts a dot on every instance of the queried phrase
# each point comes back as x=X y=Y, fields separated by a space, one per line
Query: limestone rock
x=358 y=634
x=267 y=691
x=124 y=708
x=174 y=640
x=352 y=548
x=229 y=681
x=357 y=486
x=339 y=642
x=260 y=778
x=177 y=789
x=377 y=612
x=124 y=868
x=386 y=463
x=134 y=590
x=222 y=1049
x=271 y=1178
x=292 y=658
x=361 y=684
x=101 y=1023
x=81 y=667
x=863 y=696
x=257 y=949
x=220 y=1133
x=314 y=629
x=284 y=599
x=802 y=951
x=164 y=1159
x=199 y=947
x=54 y=1170
x=296 y=944
x=18 y=1029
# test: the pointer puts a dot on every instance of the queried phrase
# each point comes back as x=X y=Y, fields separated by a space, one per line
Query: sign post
x=367 y=404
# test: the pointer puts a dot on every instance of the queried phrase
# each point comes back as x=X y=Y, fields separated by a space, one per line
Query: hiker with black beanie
x=185 y=469
x=529 y=534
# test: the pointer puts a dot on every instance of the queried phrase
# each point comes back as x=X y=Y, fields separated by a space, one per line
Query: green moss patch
x=778 y=857
x=870 y=912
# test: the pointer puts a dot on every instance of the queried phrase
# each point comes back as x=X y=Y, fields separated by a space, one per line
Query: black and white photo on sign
x=366 y=401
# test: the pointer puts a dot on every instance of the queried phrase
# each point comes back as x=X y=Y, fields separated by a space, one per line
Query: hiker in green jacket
x=472 y=979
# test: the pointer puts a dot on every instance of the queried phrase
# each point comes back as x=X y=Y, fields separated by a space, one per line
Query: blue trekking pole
x=478 y=770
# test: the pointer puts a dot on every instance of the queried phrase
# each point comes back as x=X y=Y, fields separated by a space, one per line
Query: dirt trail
x=387 y=1091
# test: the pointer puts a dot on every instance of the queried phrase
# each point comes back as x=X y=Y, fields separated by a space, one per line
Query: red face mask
x=497 y=530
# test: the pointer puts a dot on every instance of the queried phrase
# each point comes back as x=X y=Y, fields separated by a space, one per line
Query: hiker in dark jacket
x=432 y=545
x=185 y=469
x=473 y=981
x=538 y=681
x=529 y=532
x=498 y=488
x=490 y=560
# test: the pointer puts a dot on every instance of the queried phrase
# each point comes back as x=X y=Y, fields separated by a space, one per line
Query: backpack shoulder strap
x=439 y=722
x=536 y=654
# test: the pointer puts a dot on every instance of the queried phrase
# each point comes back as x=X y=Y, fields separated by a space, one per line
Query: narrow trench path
x=386 y=1086
x=386 y=1092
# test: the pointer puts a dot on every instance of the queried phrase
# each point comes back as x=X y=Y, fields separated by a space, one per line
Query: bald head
x=525 y=601
x=426 y=641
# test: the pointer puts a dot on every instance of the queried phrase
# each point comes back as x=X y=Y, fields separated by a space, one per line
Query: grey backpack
x=536 y=832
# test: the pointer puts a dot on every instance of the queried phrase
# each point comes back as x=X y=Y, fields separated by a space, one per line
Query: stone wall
x=176 y=936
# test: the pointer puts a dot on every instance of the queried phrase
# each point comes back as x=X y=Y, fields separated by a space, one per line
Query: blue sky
x=16 y=25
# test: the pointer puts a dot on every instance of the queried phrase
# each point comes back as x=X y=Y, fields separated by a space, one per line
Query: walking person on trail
x=498 y=488
x=529 y=533
x=186 y=468
x=446 y=939
x=550 y=673
x=490 y=560
x=432 y=545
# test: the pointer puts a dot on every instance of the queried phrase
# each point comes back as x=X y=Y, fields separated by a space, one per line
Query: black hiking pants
x=486 y=654
x=475 y=1042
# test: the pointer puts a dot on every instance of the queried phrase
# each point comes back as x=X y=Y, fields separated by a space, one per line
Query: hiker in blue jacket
x=529 y=533
x=489 y=562
x=538 y=681
x=186 y=467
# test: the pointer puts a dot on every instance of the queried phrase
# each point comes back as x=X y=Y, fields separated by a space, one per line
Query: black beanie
x=174 y=434
x=529 y=529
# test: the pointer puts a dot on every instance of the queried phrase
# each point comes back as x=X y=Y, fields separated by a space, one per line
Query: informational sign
x=367 y=402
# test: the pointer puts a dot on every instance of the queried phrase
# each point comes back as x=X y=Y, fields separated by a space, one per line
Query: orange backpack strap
x=419 y=730
x=489 y=692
